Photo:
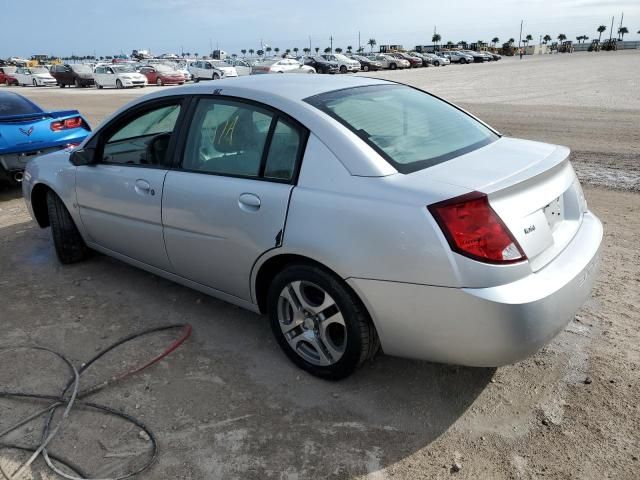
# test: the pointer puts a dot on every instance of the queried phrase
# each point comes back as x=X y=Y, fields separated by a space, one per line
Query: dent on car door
x=227 y=204
x=120 y=196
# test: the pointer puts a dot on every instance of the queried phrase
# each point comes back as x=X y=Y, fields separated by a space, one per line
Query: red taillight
x=474 y=230
x=74 y=122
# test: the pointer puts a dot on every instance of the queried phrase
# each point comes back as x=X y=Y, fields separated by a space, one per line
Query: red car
x=162 y=75
x=6 y=75
x=414 y=61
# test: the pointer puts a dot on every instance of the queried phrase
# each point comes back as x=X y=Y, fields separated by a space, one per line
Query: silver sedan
x=356 y=213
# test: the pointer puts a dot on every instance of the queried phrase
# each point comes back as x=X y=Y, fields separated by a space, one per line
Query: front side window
x=143 y=140
x=410 y=129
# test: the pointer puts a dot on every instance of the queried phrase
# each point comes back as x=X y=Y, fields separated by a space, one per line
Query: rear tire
x=119 y=85
x=463 y=61
x=35 y=84
x=216 y=76
x=393 y=66
x=69 y=245
x=76 y=82
x=345 y=344
x=159 y=82
x=343 y=69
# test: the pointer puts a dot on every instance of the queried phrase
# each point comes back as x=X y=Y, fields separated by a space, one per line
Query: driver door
x=120 y=195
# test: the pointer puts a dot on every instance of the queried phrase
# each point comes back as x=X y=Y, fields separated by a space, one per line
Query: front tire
x=393 y=66
x=216 y=76
x=69 y=245
x=76 y=82
x=343 y=69
x=35 y=83
x=119 y=85
x=321 y=325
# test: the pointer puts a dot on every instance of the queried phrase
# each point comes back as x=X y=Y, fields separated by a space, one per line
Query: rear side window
x=243 y=140
x=410 y=129
x=12 y=104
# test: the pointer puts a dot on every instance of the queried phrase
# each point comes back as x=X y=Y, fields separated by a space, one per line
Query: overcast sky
x=83 y=27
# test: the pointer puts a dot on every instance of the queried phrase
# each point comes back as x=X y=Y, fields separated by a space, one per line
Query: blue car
x=27 y=131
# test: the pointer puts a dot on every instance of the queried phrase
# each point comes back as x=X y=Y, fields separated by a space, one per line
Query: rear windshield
x=409 y=128
x=81 y=68
x=12 y=104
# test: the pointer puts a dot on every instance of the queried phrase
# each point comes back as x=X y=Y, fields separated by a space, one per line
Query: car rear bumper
x=16 y=162
x=485 y=327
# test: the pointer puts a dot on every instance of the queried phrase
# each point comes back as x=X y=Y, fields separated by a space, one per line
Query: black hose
x=71 y=398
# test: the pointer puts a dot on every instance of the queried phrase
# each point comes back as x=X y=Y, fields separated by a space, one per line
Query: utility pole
x=331 y=43
x=309 y=44
x=359 y=43
x=611 y=30
x=621 y=18
x=520 y=38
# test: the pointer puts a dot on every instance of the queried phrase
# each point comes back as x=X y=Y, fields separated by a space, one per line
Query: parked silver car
x=457 y=56
x=354 y=211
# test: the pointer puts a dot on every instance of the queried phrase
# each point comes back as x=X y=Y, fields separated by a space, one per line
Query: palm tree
x=528 y=38
x=494 y=40
x=287 y=51
x=511 y=41
x=450 y=44
x=546 y=39
x=295 y=50
x=251 y=50
x=360 y=49
x=338 y=50
x=327 y=50
x=349 y=48
x=622 y=31
x=260 y=53
x=244 y=52
x=601 y=29
x=276 y=50
x=372 y=43
x=317 y=49
x=436 y=38
x=562 y=37
x=306 y=50
x=268 y=49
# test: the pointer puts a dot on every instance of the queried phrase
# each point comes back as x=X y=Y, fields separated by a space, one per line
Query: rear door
x=226 y=203
x=120 y=196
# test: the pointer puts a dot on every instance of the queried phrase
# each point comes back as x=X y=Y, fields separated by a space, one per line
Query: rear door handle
x=142 y=187
x=249 y=202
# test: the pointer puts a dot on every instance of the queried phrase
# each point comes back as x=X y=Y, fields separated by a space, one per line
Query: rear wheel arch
x=272 y=266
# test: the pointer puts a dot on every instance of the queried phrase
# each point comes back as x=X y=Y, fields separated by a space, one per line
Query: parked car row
x=162 y=72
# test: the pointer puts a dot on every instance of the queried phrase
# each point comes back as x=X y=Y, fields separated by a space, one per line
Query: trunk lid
x=530 y=185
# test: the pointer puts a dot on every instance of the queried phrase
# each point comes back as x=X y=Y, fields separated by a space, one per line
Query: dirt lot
x=228 y=404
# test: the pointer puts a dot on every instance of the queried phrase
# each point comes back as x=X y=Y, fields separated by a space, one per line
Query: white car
x=281 y=65
x=118 y=76
x=211 y=70
x=36 y=76
x=184 y=70
x=243 y=67
x=387 y=61
x=345 y=64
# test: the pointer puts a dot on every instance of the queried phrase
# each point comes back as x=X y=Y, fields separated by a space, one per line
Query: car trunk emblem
x=27 y=132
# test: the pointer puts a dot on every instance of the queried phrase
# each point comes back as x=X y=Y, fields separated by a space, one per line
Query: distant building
x=390 y=48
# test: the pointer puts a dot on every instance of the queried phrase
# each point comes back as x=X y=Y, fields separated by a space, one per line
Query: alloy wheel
x=312 y=323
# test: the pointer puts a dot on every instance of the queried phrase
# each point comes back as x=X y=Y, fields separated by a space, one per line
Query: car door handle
x=249 y=202
x=142 y=187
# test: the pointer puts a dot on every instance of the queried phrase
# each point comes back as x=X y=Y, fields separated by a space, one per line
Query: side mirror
x=84 y=156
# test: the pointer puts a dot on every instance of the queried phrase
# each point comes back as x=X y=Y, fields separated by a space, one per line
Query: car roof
x=292 y=87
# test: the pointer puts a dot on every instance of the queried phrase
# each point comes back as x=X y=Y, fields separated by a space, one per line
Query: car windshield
x=39 y=70
x=81 y=68
x=220 y=63
x=124 y=69
x=411 y=129
x=164 y=68
x=13 y=104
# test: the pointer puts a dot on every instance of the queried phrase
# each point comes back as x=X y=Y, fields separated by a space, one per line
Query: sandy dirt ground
x=228 y=404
